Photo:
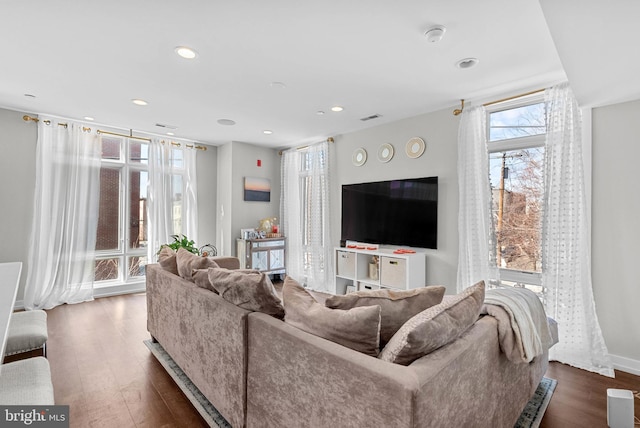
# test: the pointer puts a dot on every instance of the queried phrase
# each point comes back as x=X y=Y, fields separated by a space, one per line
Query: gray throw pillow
x=397 y=305
x=248 y=289
x=435 y=327
x=167 y=260
x=188 y=262
x=357 y=328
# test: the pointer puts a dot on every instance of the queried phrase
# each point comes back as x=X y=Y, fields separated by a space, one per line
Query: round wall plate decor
x=385 y=152
x=415 y=147
x=359 y=156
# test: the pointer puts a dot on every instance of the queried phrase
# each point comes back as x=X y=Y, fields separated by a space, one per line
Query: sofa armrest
x=227 y=262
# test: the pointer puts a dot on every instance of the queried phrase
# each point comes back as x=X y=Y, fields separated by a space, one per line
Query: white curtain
x=64 y=226
x=475 y=225
x=172 y=195
x=305 y=216
x=566 y=258
x=291 y=212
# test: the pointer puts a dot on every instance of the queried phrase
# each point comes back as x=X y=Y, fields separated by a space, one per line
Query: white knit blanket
x=522 y=323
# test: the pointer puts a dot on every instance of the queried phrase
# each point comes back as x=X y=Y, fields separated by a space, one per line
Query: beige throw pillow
x=188 y=262
x=397 y=306
x=357 y=328
x=167 y=260
x=248 y=289
x=435 y=327
x=201 y=279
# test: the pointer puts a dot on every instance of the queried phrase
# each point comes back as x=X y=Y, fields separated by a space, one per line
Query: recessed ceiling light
x=267 y=132
x=227 y=122
x=435 y=34
x=170 y=133
x=277 y=85
x=88 y=118
x=337 y=108
x=186 y=52
x=139 y=102
x=467 y=63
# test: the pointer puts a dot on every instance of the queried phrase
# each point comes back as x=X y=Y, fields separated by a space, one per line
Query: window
x=121 y=239
x=516 y=167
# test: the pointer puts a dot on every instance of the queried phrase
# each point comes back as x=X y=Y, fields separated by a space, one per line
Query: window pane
x=138 y=181
x=137 y=266
x=517 y=191
x=177 y=160
x=177 y=191
x=517 y=122
x=139 y=152
x=111 y=148
x=107 y=269
x=108 y=218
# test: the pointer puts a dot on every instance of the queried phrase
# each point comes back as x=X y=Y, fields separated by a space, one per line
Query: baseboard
x=119 y=290
x=19 y=305
x=625 y=364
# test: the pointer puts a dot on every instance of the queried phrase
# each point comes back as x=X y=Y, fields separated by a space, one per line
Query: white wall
x=616 y=228
x=235 y=162
x=17 y=187
x=440 y=131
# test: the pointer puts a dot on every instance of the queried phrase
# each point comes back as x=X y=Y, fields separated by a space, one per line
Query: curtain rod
x=457 y=111
x=513 y=97
x=28 y=118
x=329 y=140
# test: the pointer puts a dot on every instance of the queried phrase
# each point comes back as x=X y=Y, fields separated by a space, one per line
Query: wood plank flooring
x=101 y=368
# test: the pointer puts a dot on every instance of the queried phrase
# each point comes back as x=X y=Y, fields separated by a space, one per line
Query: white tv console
x=394 y=271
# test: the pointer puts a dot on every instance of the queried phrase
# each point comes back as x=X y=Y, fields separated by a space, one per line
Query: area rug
x=530 y=418
x=533 y=412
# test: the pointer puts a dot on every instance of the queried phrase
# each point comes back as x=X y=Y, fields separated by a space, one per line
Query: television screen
x=396 y=212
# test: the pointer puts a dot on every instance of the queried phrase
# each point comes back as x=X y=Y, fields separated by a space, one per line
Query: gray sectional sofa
x=259 y=371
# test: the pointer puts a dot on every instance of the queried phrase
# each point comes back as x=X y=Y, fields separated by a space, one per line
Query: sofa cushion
x=435 y=327
x=397 y=306
x=188 y=262
x=167 y=259
x=357 y=328
x=248 y=289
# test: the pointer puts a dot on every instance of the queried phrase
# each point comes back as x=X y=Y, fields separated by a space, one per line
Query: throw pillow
x=167 y=260
x=201 y=279
x=248 y=289
x=187 y=262
x=357 y=328
x=397 y=306
x=435 y=327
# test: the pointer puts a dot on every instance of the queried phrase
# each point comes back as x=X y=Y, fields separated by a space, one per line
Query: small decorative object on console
x=208 y=250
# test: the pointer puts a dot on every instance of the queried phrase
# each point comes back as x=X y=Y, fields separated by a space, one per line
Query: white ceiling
x=83 y=58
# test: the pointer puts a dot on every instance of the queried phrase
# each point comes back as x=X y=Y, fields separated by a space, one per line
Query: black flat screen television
x=396 y=212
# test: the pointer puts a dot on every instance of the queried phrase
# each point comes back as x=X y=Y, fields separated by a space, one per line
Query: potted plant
x=181 y=241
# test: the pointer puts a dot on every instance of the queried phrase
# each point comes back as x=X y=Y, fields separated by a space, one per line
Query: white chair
x=27 y=333
x=25 y=382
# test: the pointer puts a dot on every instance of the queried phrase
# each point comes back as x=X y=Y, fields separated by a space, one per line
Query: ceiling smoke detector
x=435 y=34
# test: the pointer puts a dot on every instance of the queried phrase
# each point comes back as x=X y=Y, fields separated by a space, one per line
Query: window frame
x=519 y=277
x=123 y=253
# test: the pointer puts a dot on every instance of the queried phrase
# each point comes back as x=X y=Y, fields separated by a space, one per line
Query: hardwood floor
x=101 y=368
